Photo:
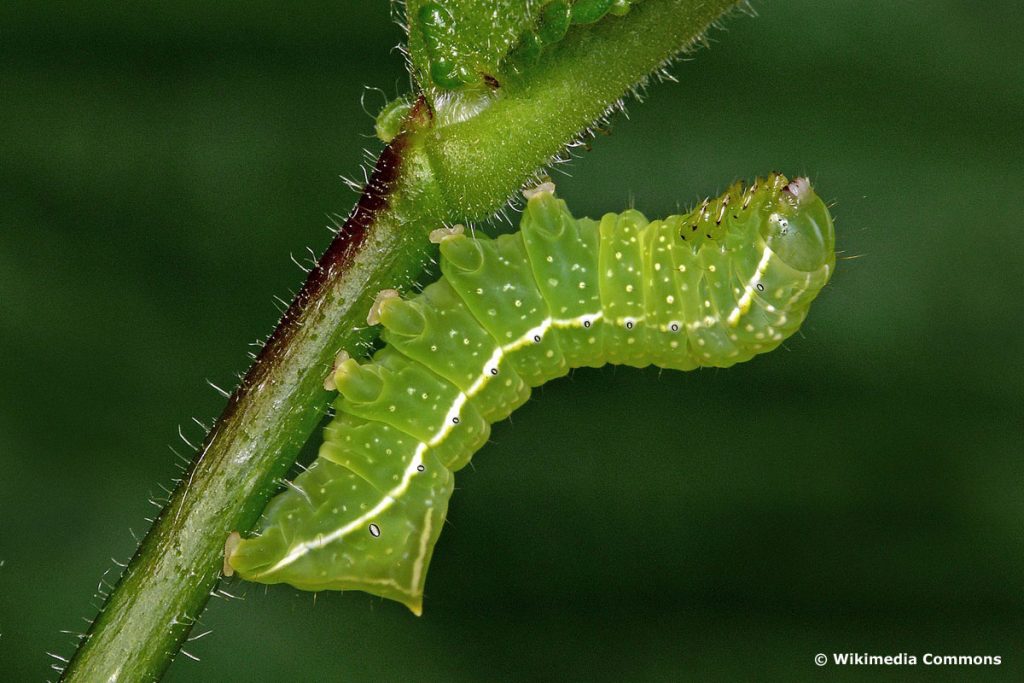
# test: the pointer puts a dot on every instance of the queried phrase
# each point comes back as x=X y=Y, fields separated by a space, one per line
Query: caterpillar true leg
x=729 y=280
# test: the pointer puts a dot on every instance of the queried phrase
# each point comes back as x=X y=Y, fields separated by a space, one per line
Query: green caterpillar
x=731 y=279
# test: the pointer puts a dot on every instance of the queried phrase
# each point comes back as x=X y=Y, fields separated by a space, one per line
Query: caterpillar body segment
x=729 y=280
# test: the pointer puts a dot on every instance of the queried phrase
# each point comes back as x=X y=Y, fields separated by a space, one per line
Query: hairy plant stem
x=429 y=175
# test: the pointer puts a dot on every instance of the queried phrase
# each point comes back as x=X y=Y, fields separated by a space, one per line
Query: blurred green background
x=859 y=490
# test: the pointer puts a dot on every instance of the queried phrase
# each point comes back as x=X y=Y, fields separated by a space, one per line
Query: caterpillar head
x=765 y=251
x=799 y=228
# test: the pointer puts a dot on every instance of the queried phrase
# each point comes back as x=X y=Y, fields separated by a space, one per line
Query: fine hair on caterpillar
x=727 y=281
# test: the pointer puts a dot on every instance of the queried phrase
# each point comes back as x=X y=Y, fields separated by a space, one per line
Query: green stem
x=431 y=174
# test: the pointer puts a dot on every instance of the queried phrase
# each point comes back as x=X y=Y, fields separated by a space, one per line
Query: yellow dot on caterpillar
x=670 y=299
x=550 y=259
x=701 y=342
x=549 y=354
x=707 y=304
x=682 y=269
x=518 y=303
x=711 y=268
x=657 y=266
x=629 y=288
x=618 y=256
x=583 y=285
x=674 y=344
x=749 y=328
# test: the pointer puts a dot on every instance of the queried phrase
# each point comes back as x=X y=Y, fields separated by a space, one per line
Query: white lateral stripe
x=578 y=321
x=485 y=376
x=743 y=305
x=304 y=547
x=449 y=420
x=417 y=567
x=299 y=550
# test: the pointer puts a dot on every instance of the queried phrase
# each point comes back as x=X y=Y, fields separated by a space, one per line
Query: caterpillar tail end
x=259 y=559
x=415 y=606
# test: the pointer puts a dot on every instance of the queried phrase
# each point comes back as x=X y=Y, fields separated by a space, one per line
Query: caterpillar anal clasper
x=729 y=280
